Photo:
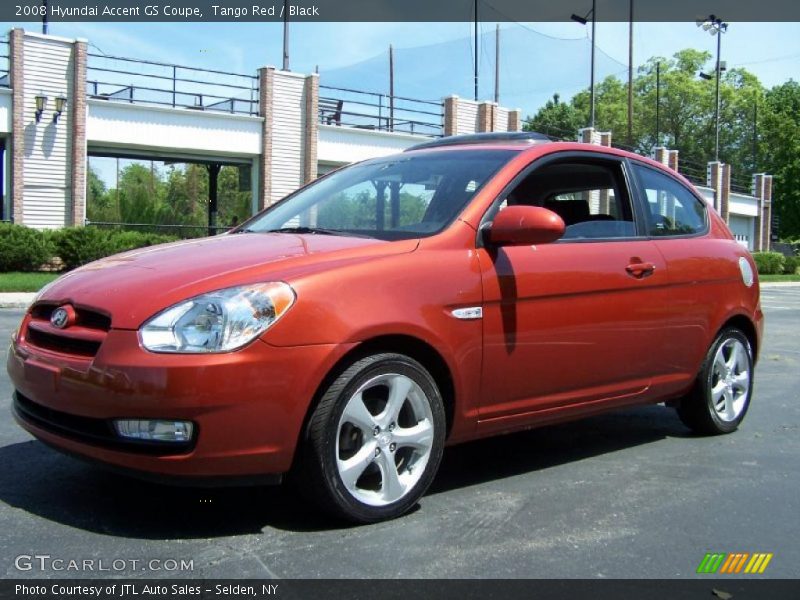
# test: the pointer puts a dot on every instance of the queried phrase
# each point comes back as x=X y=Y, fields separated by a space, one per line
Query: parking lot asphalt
x=630 y=494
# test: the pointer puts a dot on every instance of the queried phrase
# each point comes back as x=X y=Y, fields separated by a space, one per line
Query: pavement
x=631 y=494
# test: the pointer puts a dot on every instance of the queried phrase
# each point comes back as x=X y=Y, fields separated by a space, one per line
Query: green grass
x=25 y=282
x=776 y=278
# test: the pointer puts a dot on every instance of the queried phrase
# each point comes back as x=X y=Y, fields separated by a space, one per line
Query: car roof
x=531 y=142
x=473 y=139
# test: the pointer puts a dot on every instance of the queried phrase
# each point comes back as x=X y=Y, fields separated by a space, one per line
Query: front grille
x=97 y=432
x=86 y=318
x=56 y=343
x=83 y=338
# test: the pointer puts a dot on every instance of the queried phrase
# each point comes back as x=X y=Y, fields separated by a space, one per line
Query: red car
x=468 y=287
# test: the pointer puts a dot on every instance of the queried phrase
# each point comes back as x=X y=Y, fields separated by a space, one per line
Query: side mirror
x=523 y=226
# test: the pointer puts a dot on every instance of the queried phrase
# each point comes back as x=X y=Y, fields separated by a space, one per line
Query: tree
x=686 y=108
x=556 y=119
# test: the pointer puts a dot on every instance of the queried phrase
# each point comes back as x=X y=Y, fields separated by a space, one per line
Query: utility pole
x=285 y=35
x=497 y=64
x=44 y=17
x=658 y=103
x=391 y=88
x=475 y=61
x=591 y=84
x=630 y=74
x=584 y=21
x=715 y=26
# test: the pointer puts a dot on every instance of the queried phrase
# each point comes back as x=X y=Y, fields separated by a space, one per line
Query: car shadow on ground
x=49 y=485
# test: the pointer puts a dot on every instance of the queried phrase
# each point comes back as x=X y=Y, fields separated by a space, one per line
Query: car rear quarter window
x=671 y=209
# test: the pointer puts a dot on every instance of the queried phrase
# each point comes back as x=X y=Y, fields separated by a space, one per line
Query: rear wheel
x=375 y=440
x=721 y=394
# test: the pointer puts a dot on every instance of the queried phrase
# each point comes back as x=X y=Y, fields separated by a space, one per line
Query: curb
x=16 y=299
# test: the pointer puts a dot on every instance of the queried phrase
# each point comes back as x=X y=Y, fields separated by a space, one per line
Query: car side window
x=589 y=195
x=671 y=208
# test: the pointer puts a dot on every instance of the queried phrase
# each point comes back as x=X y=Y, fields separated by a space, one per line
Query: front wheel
x=375 y=440
x=721 y=394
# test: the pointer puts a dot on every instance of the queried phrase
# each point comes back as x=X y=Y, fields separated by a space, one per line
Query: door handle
x=640 y=270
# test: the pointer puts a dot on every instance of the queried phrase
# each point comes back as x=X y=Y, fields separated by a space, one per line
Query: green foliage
x=122 y=241
x=22 y=248
x=77 y=246
x=790 y=265
x=759 y=127
x=769 y=263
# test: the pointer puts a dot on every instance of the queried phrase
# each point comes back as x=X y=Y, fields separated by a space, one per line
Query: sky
x=539 y=58
x=770 y=50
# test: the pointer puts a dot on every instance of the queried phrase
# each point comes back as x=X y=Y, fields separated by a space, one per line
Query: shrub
x=769 y=263
x=77 y=246
x=122 y=241
x=790 y=265
x=22 y=248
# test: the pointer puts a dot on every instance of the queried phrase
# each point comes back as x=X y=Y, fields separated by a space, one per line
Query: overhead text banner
x=395 y=10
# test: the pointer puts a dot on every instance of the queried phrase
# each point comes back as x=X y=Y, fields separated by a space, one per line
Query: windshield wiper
x=315 y=230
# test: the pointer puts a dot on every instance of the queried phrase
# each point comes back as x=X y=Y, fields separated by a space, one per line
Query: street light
x=583 y=21
x=715 y=26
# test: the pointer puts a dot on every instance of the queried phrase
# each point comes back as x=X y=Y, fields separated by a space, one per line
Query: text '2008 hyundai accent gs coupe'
x=465 y=288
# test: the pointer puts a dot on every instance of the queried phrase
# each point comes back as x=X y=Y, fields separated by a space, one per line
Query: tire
x=721 y=394
x=374 y=442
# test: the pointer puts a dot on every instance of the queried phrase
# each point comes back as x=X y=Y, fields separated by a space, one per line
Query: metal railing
x=742 y=184
x=4 y=62
x=375 y=111
x=694 y=172
x=121 y=79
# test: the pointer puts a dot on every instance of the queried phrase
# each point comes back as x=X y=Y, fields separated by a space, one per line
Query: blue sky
x=552 y=57
x=771 y=50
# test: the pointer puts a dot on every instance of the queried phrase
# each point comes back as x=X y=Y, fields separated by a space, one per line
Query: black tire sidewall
x=348 y=505
x=708 y=374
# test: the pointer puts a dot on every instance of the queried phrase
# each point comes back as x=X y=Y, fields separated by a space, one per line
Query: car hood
x=133 y=286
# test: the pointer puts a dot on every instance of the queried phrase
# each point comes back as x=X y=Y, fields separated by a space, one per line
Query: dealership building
x=61 y=104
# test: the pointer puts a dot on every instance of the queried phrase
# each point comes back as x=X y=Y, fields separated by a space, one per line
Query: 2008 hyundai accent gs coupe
x=465 y=288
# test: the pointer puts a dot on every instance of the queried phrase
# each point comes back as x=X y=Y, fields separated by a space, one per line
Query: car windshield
x=398 y=197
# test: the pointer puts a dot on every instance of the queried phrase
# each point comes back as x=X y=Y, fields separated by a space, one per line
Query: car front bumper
x=247 y=407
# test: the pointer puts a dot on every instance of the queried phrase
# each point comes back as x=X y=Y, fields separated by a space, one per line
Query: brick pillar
x=588 y=135
x=758 y=193
x=725 y=193
x=311 y=137
x=672 y=160
x=515 y=120
x=766 y=222
x=266 y=80
x=605 y=138
x=77 y=108
x=486 y=117
x=451 y=115
x=16 y=81
x=660 y=154
x=714 y=181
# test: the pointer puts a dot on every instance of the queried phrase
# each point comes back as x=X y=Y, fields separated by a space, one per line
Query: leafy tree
x=686 y=110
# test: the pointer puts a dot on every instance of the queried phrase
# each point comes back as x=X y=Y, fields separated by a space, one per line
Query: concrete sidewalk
x=16 y=299
x=23 y=299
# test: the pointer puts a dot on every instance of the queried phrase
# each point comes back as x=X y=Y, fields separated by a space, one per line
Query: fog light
x=154 y=430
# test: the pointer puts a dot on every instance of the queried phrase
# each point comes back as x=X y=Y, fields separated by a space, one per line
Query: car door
x=573 y=324
x=701 y=267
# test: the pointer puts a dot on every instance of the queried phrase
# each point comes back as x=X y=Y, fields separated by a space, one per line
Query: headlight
x=219 y=321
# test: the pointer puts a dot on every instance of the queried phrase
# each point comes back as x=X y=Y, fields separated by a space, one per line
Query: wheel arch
x=747 y=327
x=411 y=346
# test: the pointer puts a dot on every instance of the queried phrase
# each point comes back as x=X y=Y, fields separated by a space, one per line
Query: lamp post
x=715 y=26
x=584 y=21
